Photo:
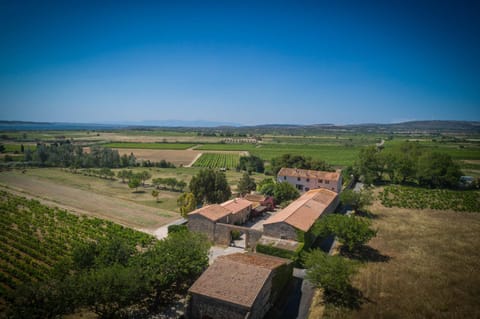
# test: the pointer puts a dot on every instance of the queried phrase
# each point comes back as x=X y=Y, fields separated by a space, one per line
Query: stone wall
x=240 y=217
x=280 y=230
x=198 y=223
x=201 y=307
x=222 y=234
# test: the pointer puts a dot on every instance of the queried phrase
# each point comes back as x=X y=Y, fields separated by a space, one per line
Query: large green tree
x=210 y=186
x=284 y=192
x=351 y=231
x=438 y=170
x=332 y=273
x=246 y=184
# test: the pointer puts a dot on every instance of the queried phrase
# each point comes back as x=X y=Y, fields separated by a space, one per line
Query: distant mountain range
x=405 y=127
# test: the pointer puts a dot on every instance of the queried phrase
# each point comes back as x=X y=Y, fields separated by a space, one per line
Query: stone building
x=305 y=180
x=204 y=219
x=239 y=286
x=240 y=209
x=301 y=214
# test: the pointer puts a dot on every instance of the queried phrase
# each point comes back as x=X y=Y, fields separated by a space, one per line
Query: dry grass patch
x=111 y=200
x=432 y=269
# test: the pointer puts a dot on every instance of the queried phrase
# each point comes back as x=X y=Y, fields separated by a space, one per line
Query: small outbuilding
x=239 y=286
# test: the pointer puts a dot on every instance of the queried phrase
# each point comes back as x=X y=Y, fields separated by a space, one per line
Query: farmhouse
x=239 y=286
x=301 y=214
x=204 y=219
x=305 y=180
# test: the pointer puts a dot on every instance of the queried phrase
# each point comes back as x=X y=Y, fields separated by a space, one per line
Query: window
x=327 y=182
x=284 y=178
x=299 y=187
x=320 y=181
x=308 y=179
x=298 y=178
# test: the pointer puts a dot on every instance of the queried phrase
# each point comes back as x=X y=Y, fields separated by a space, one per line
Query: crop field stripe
x=151 y=146
x=217 y=160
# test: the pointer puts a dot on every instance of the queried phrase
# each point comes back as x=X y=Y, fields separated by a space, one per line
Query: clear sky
x=247 y=62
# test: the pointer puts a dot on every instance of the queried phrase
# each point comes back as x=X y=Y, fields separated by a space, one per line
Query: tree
x=155 y=194
x=134 y=182
x=124 y=174
x=285 y=192
x=246 y=184
x=210 y=186
x=298 y=161
x=187 y=203
x=357 y=200
x=332 y=273
x=251 y=164
x=143 y=176
x=266 y=186
x=438 y=170
x=370 y=164
x=351 y=231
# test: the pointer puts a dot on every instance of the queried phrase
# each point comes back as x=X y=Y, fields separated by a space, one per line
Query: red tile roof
x=213 y=212
x=305 y=173
x=303 y=212
x=236 y=205
x=237 y=278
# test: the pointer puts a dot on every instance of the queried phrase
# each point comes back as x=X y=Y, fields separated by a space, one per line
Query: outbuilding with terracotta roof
x=301 y=214
x=239 y=286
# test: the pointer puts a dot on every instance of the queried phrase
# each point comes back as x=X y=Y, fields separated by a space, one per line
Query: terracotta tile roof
x=303 y=212
x=305 y=173
x=236 y=278
x=255 y=198
x=236 y=205
x=213 y=212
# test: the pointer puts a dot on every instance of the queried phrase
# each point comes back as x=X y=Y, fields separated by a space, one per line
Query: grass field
x=217 y=160
x=150 y=146
x=107 y=199
x=422 y=264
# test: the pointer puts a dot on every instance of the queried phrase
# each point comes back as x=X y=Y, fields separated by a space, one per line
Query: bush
x=177 y=228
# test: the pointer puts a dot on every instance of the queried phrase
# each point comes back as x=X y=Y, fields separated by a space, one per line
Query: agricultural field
x=34 y=237
x=422 y=264
x=421 y=198
x=217 y=160
x=104 y=198
x=150 y=146
x=177 y=157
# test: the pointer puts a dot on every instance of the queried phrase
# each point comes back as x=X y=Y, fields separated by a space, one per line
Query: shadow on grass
x=139 y=192
x=351 y=298
x=365 y=254
x=366 y=214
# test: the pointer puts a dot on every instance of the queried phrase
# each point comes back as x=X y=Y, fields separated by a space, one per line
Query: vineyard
x=34 y=237
x=418 y=198
x=214 y=160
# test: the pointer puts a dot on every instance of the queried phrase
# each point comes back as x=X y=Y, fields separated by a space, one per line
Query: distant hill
x=420 y=127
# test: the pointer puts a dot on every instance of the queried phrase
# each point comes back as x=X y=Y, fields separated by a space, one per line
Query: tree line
x=66 y=154
x=408 y=163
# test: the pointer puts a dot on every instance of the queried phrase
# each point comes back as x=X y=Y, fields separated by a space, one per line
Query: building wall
x=272 y=288
x=240 y=217
x=280 y=230
x=198 y=223
x=201 y=307
x=312 y=183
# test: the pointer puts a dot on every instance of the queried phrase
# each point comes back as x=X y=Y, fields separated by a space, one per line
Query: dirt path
x=194 y=160
x=118 y=210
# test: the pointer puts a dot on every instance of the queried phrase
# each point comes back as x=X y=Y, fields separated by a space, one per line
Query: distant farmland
x=217 y=160
x=150 y=146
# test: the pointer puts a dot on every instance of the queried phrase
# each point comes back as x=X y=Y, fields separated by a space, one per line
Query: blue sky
x=239 y=61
